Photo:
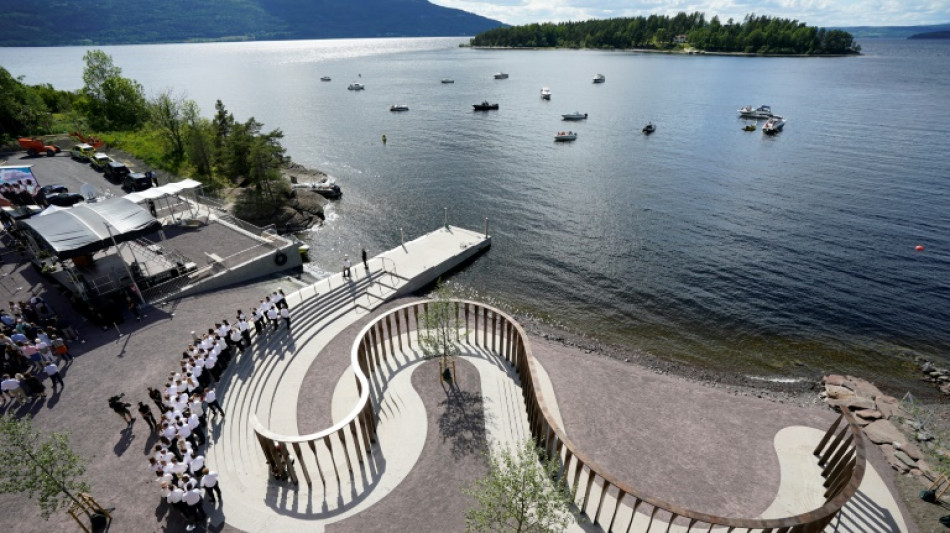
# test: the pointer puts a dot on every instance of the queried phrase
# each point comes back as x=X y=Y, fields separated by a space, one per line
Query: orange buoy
x=919 y=248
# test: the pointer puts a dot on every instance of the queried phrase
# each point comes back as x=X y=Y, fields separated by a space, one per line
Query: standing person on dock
x=346 y=266
x=365 y=264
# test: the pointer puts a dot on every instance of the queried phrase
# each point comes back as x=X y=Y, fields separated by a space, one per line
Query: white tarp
x=169 y=189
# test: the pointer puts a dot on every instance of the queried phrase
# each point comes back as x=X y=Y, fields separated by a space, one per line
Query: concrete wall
x=433 y=274
x=256 y=268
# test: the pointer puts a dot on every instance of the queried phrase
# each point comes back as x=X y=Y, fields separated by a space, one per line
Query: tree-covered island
x=754 y=35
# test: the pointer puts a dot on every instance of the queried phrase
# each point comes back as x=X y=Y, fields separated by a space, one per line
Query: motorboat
x=564 y=136
x=356 y=87
x=485 y=106
x=600 y=78
x=649 y=128
x=577 y=115
x=399 y=107
x=324 y=187
x=448 y=80
x=763 y=111
x=545 y=93
x=748 y=127
x=773 y=125
x=325 y=78
x=501 y=76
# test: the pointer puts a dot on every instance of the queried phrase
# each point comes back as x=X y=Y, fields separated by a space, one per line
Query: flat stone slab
x=883 y=432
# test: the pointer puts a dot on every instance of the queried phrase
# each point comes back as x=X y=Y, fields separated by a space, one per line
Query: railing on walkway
x=840 y=454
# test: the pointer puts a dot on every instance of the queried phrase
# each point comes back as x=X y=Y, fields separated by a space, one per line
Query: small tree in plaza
x=521 y=494
x=439 y=331
x=46 y=469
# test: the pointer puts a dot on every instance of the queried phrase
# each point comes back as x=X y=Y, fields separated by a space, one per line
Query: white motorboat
x=448 y=80
x=763 y=111
x=577 y=115
x=356 y=87
x=600 y=78
x=545 y=93
x=399 y=107
x=501 y=76
x=773 y=125
x=564 y=136
x=325 y=78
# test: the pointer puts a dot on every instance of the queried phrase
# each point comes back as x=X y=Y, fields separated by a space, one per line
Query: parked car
x=64 y=199
x=53 y=189
x=116 y=171
x=82 y=152
x=136 y=181
x=100 y=161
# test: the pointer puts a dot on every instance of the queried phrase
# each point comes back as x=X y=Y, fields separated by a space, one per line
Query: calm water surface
x=775 y=256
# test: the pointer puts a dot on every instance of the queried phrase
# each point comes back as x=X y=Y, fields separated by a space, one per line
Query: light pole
x=126 y=265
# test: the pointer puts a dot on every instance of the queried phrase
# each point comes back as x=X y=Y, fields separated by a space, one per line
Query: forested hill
x=79 y=22
x=755 y=34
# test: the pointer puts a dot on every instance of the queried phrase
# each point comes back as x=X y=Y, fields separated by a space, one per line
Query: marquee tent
x=88 y=228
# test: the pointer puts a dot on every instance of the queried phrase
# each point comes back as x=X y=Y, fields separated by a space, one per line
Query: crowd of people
x=33 y=343
x=186 y=400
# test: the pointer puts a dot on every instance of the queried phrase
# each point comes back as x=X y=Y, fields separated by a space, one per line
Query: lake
x=778 y=257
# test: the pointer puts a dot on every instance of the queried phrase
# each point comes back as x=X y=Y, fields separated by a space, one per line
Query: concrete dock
x=264 y=383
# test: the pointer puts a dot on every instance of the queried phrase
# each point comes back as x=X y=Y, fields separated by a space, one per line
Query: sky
x=813 y=12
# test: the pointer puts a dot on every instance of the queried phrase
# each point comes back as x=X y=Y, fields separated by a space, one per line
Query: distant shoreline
x=655 y=51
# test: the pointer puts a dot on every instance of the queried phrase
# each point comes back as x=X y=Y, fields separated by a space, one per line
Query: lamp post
x=126 y=265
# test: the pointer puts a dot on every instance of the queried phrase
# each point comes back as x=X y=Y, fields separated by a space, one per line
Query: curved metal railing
x=840 y=453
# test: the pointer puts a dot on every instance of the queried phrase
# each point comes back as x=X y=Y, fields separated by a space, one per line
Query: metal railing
x=605 y=499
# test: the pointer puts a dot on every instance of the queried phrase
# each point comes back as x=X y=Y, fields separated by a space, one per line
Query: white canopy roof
x=169 y=189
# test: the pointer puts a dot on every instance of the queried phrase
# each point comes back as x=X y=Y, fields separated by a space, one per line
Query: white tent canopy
x=169 y=189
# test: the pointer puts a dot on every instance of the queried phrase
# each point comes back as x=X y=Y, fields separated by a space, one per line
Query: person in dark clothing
x=121 y=408
x=365 y=264
x=147 y=416
x=156 y=397
x=32 y=386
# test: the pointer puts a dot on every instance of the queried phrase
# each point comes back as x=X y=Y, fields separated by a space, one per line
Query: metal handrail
x=844 y=459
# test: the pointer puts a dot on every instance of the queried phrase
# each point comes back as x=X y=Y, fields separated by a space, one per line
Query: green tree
x=439 y=327
x=167 y=112
x=521 y=493
x=111 y=102
x=45 y=469
x=22 y=110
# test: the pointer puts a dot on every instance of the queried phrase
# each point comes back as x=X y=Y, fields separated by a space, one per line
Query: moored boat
x=600 y=78
x=448 y=80
x=325 y=78
x=501 y=76
x=399 y=107
x=356 y=87
x=485 y=106
x=773 y=125
x=763 y=111
x=649 y=128
x=545 y=93
x=565 y=136
x=577 y=115
x=748 y=127
x=324 y=187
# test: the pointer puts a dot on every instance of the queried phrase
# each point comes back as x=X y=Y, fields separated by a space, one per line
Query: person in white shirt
x=53 y=372
x=272 y=316
x=285 y=314
x=211 y=400
x=209 y=481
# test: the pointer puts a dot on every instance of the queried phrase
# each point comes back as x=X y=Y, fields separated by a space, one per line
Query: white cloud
x=813 y=12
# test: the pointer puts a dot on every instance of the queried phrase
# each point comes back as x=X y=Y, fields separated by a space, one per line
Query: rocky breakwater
x=897 y=427
x=939 y=377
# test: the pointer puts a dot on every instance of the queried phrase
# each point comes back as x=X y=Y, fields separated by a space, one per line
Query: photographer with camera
x=121 y=408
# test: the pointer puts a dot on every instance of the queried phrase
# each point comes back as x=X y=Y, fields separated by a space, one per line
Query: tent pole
x=126 y=265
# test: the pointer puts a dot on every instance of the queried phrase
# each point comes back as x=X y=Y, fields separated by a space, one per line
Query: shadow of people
x=125 y=440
